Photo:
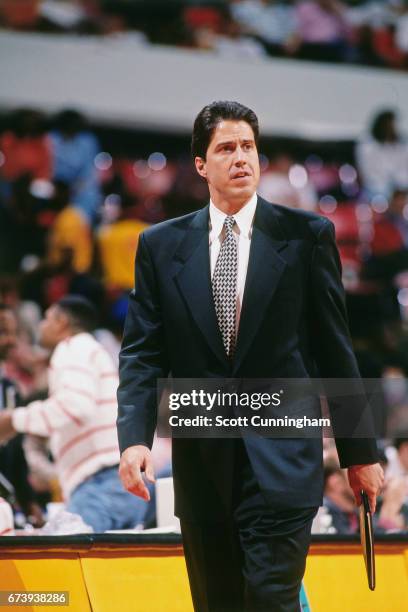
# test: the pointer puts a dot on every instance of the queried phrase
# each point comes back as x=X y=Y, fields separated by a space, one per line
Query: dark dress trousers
x=293 y=324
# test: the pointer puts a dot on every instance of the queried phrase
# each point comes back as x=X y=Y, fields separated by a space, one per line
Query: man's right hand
x=133 y=461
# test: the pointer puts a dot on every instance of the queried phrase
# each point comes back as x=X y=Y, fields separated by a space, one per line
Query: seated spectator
x=275 y=185
x=322 y=30
x=79 y=417
x=386 y=47
x=74 y=149
x=392 y=509
x=338 y=499
x=117 y=244
x=28 y=313
x=19 y=14
x=401 y=32
x=197 y=17
x=373 y=25
x=397 y=213
x=13 y=465
x=28 y=201
x=26 y=149
x=26 y=363
x=270 y=21
x=232 y=43
x=43 y=475
x=397 y=458
x=390 y=233
x=382 y=157
x=61 y=16
x=69 y=233
x=392 y=513
x=387 y=263
x=6 y=518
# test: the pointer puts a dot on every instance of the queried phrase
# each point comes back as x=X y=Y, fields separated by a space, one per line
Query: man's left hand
x=7 y=430
x=369 y=478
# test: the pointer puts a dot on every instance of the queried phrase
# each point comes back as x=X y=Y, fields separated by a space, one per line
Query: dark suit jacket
x=293 y=325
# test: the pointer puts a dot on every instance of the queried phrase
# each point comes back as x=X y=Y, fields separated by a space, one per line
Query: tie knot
x=229 y=223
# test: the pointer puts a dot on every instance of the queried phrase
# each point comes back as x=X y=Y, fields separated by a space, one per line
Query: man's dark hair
x=211 y=115
x=82 y=313
x=25 y=122
x=400 y=440
x=379 y=126
x=70 y=121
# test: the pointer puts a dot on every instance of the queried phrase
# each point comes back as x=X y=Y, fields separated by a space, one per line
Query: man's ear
x=200 y=166
x=64 y=320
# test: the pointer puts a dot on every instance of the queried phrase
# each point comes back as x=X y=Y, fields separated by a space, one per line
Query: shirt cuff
x=19 y=419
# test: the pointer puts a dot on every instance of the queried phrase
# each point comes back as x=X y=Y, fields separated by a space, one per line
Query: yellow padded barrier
x=34 y=572
x=143 y=580
x=335 y=579
x=138 y=577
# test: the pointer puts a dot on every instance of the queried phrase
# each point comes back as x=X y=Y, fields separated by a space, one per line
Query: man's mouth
x=242 y=174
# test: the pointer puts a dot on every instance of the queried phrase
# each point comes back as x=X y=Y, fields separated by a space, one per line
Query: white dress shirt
x=383 y=166
x=243 y=232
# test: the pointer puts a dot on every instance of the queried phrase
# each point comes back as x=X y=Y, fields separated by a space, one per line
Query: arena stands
x=76 y=191
x=367 y=32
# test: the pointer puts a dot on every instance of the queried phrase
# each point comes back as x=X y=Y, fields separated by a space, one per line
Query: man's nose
x=239 y=156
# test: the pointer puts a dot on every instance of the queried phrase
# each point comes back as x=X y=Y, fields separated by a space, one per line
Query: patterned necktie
x=224 y=286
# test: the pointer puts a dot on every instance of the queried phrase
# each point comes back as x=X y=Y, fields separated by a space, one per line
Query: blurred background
x=97 y=102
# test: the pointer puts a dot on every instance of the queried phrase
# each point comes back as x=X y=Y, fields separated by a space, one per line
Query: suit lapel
x=194 y=281
x=265 y=268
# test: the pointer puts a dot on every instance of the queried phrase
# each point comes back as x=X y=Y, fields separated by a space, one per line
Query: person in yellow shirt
x=117 y=243
x=70 y=234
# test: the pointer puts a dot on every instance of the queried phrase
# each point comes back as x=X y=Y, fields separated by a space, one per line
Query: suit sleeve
x=143 y=357
x=334 y=356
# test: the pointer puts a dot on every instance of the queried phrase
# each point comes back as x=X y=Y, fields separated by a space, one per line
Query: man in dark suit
x=241 y=289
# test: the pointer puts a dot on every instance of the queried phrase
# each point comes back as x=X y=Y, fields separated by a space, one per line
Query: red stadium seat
x=387 y=238
x=203 y=17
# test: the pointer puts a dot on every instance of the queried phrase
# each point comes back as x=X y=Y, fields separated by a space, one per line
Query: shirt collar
x=243 y=218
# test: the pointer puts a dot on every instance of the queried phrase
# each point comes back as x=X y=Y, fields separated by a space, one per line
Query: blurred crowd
x=370 y=32
x=71 y=212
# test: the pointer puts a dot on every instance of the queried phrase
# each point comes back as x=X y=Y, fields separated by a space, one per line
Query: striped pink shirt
x=6 y=518
x=79 y=415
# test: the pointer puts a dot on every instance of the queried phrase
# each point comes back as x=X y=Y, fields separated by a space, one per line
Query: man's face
x=403 y=454
x=51 y=327
x=231 y=167
x=8 y=332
